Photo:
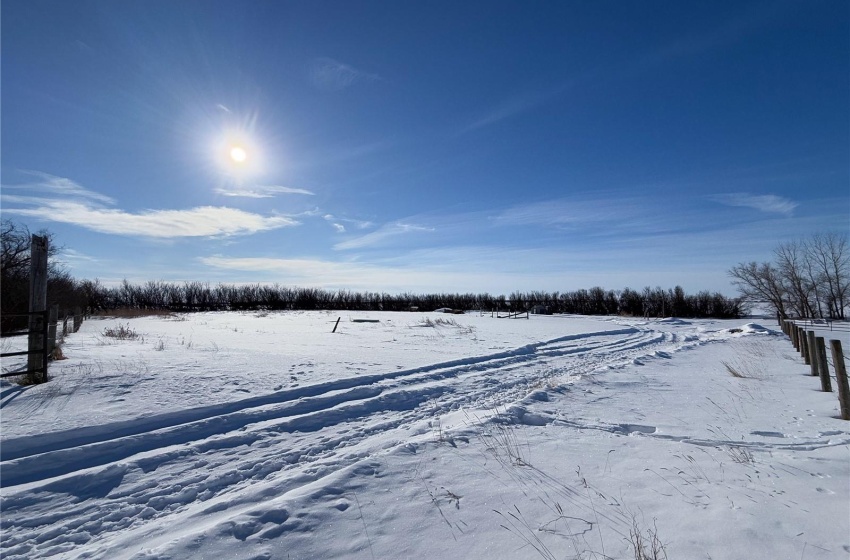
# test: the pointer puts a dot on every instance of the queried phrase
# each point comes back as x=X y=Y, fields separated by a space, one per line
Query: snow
x=264 y=435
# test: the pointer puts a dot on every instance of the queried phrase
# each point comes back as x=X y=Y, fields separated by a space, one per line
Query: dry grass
x=121 y=332
x=57 y=353
x=133 y=313
x=646 y=545
x=438 y=322
x=732 y=370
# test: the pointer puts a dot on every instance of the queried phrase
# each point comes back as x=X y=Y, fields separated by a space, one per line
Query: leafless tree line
x=200 y=296
x=809 y=278
x=92 y=296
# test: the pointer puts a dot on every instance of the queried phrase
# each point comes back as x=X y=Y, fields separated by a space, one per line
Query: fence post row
x=813 y=350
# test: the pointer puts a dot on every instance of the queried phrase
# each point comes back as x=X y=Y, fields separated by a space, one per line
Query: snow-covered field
x=264 y=435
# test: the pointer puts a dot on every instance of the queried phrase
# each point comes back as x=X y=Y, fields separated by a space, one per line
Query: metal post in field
x=841 y=378
x=823 y=366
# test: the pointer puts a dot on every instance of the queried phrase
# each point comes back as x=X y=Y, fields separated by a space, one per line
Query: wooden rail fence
x=43 y=334
x=37 y=354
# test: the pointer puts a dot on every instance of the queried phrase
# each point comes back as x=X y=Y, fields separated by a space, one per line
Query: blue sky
x=425 y=146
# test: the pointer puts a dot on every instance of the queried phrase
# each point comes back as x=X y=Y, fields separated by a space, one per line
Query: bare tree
x=809 y=275
x=828 y=258
x=760 y=283
x=798 y=287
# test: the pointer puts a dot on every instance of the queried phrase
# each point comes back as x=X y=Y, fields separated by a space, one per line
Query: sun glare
x=238 y=154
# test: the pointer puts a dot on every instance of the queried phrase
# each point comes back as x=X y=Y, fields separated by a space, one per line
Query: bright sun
x=238 y=154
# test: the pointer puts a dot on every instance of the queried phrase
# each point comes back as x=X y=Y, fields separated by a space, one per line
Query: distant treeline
x=199 y=296
x=91 y=296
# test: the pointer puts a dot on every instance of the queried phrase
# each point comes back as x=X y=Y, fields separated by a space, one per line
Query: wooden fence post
x=811 y=356
x=823 y=366
x=804 y=347
x=65 y=326
x=38 y=303
x=841 y=378
x=78 y=318
x=793 y=329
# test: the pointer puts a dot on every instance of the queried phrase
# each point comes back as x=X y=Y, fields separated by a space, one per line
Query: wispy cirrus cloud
x=355 y=275
x=381 y=235
x=339 y=223
x=767 y=203
x=53 y=185
x=203 y=221
x=65 y=201
x=328 y=74
x=512 y=107
x=266 y=191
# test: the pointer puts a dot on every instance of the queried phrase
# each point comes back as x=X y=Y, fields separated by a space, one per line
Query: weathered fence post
x=841 y=378
x=65 y=325
x=804 y=346
x=78 y=318
x=811 y=356
x=793 y=329
x=38 y=303
x=51 y=329
x=823 y=366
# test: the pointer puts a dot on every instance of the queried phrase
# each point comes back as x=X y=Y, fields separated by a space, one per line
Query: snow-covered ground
x=264 y=435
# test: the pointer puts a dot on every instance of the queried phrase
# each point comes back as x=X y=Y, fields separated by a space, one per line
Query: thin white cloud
x=507 y=109
x=514 y=106
x=338 y=227
x=601 y=208
x=349 y=275
x=268 y=191
x=51 y=184
x=767 y=203
x=328 y=74
x=337 y=221
x=203 y=221
x=68 y=202
x=488 y=269
x=381 y=235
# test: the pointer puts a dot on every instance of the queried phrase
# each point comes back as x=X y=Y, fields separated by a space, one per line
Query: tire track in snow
x=51 y=442
x=198 y=451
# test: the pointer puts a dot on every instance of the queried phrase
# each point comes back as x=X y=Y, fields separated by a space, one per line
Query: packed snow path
x=116 y=489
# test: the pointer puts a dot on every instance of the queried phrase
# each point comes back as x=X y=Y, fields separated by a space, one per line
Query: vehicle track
x=91 y=483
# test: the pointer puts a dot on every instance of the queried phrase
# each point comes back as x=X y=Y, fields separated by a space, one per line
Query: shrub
x=121 y=332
